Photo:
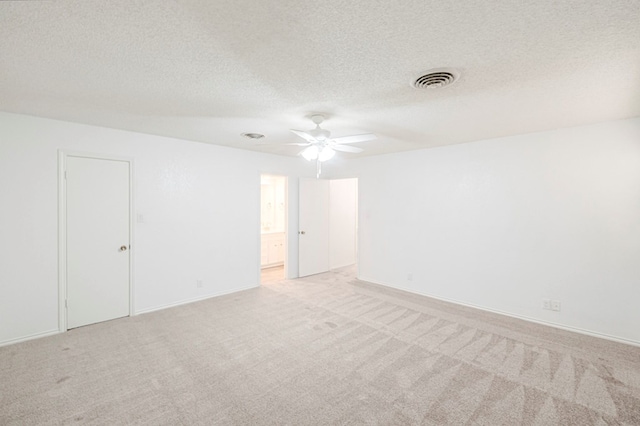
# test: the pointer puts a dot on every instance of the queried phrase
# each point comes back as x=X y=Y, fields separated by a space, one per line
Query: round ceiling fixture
x=436 y=78
x=253 y=135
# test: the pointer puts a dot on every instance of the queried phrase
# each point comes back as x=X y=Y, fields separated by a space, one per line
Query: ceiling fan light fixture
x=320 y=146
x=326 y=154
x=310 y=153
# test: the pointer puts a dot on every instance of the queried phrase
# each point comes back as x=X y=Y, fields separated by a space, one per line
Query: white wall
x=504 y=223
x=499 y=224
x=201 y=208
x=342 y=222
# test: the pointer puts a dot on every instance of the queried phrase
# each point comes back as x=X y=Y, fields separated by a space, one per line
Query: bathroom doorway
x=273 y=226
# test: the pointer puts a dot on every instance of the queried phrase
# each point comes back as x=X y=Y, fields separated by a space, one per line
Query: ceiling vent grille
x=436 y=78
x=253 y=135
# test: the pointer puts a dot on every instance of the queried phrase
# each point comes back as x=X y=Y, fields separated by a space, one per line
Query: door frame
x=62 y=229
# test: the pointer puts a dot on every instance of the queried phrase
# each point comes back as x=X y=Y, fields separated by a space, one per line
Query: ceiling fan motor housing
x=320 y=146
x=320 y=134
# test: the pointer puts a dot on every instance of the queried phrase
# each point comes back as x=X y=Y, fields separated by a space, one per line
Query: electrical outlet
x=409 y=276
x=199 y=283
x=555 y=305
x=546 y=304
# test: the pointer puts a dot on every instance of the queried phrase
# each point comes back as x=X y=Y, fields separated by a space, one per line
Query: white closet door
x=97 y=223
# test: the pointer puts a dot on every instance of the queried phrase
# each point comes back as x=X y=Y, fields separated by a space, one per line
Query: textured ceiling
x=210 y=70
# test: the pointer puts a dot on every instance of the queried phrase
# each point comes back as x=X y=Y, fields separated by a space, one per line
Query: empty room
x=252 y=213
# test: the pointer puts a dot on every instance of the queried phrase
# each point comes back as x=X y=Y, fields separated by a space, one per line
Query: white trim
x=143 y=311
x=259 y=222
x=62 y=229
x=62 y=243
x=342 y=266
x=286 y=228
x=192 y=300
x=29 y=337
x=132 y=242
x=512 y=315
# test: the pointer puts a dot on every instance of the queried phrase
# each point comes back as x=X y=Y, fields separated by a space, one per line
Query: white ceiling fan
x=320 y=146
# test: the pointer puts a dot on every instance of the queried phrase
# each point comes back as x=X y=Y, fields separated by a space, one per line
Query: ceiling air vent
x=253 y=135
x=436 y=78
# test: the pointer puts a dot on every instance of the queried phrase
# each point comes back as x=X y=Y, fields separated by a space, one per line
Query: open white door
x=313 y=232
x=97 y=239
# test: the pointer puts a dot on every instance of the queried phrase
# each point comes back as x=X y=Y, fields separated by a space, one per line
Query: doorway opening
x=273 y=226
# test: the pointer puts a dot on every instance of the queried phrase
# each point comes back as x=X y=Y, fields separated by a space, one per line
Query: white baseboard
x=512 y=315
x=143 y=311
x=29 y=337
x=334 y=267
x=191 y=300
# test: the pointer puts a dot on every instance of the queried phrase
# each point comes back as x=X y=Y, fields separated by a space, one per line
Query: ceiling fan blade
x=298 y=143
x=304 y=135
x=355 y=138
x=346 y=148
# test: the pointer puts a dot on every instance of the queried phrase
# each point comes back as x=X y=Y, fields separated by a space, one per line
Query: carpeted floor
x=327 y=349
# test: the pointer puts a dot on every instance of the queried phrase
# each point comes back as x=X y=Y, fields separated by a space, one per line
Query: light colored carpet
x=327 y=349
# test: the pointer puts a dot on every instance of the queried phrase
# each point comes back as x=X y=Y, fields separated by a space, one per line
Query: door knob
x=123 y=248
x=301 y=232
